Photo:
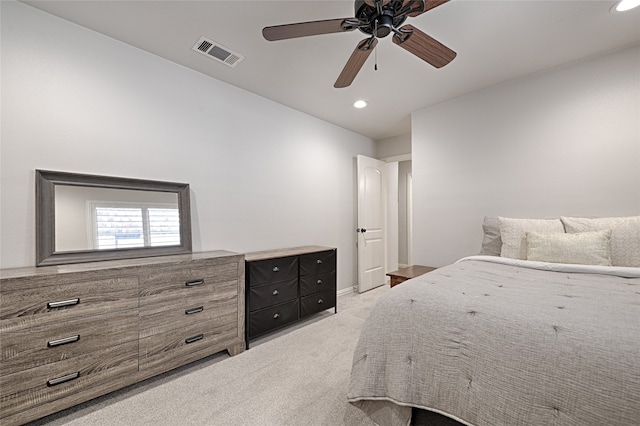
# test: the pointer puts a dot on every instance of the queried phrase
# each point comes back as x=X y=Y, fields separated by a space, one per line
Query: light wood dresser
x=71 y=333
x=286 y=285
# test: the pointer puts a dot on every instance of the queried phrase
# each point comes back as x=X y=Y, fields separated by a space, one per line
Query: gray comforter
x=499 y=344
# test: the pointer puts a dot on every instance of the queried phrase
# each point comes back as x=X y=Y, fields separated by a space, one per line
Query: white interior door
x=371 y=223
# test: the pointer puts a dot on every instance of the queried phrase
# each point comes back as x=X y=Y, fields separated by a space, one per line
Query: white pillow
x=625 y=235
x=512 y=232
x=585 y=248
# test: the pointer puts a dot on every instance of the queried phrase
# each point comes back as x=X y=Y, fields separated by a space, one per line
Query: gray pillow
x=491 y=242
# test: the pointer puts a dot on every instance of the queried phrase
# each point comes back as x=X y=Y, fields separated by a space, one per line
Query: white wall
x=404 y=171
x=391 y=237
x=562 y=142
x=397 y=146
x=262 y=175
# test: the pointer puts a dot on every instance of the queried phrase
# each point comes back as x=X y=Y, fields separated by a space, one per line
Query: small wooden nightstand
x=409 y=272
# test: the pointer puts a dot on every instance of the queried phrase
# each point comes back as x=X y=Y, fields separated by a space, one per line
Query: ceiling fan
x=377 y=18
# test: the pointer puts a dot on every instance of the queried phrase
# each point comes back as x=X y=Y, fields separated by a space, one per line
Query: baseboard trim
x=345 y=291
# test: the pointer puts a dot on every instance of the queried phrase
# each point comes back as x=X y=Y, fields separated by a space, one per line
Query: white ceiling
x=496 y=41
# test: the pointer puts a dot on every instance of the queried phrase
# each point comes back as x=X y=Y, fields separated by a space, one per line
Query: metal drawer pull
x=62 y=303
x=319 y=261
x=276 y=269
x=194 y=338
x=319 y=282
x=194 y=283
x=70 y=339
x=63 y=379
x=276 y=292
x=276 y=316
x=319 y=301
x=194 y=310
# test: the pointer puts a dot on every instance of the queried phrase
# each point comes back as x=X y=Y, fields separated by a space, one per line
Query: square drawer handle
x=60 y=342
x=194 y=310
x=275 y=292
x=194 y=283
x=319 y=282
x=63 y=379
x=276 y=315
x=320 y=302
x=319 y=261
x=194 y=339
x=62 y=303
x=276 y=269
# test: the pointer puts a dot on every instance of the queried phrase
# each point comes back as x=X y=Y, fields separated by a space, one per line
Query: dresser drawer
x=272 y=294
x=272 y=270
x=76 y=380
x=315 y=263
x=310 y=284
x=50 y=304
x=317 y=302
x=48 y=344
x=160 y=318
x=166 y=284
x=272 y=317
x=173 y=348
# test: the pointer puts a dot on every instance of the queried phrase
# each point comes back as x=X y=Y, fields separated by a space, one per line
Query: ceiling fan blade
x=304 y=29
x=355 y=62
x=428 y=5
x=424 y=47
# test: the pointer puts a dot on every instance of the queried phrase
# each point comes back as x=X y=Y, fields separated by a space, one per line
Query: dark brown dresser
x=286 y=285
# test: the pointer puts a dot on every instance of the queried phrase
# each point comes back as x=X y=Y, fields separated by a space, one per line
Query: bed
x=493 y=340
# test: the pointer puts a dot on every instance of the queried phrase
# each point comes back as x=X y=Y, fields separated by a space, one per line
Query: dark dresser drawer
x=317 y=302
x=310 y=284
x=273 y=270
x=315 y=263
x=272 y=294
x=272 y=317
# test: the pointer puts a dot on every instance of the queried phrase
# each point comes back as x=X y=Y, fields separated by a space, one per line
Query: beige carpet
x=296 y=376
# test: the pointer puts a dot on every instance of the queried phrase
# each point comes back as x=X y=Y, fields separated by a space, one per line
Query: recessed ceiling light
x=360 y=104
x=624 y=5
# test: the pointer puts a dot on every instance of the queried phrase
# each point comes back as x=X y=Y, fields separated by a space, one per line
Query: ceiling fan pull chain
x=375 y=65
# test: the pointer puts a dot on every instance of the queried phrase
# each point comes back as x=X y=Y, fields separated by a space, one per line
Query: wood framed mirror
x=86 y=218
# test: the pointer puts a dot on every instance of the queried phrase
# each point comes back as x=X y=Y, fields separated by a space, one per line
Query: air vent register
x=218 y=52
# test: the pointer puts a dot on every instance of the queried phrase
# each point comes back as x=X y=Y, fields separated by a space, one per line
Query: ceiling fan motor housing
x=380 y=24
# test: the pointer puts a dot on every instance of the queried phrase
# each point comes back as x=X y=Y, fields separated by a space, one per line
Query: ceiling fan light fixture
x=360 y=104
x=624 y=5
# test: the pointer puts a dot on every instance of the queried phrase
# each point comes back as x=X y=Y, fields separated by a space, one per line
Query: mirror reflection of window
x=124 y=225
x=88 y=218
x=164 y=226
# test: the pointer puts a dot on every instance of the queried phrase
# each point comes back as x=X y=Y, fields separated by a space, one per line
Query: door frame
x=399 y=158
